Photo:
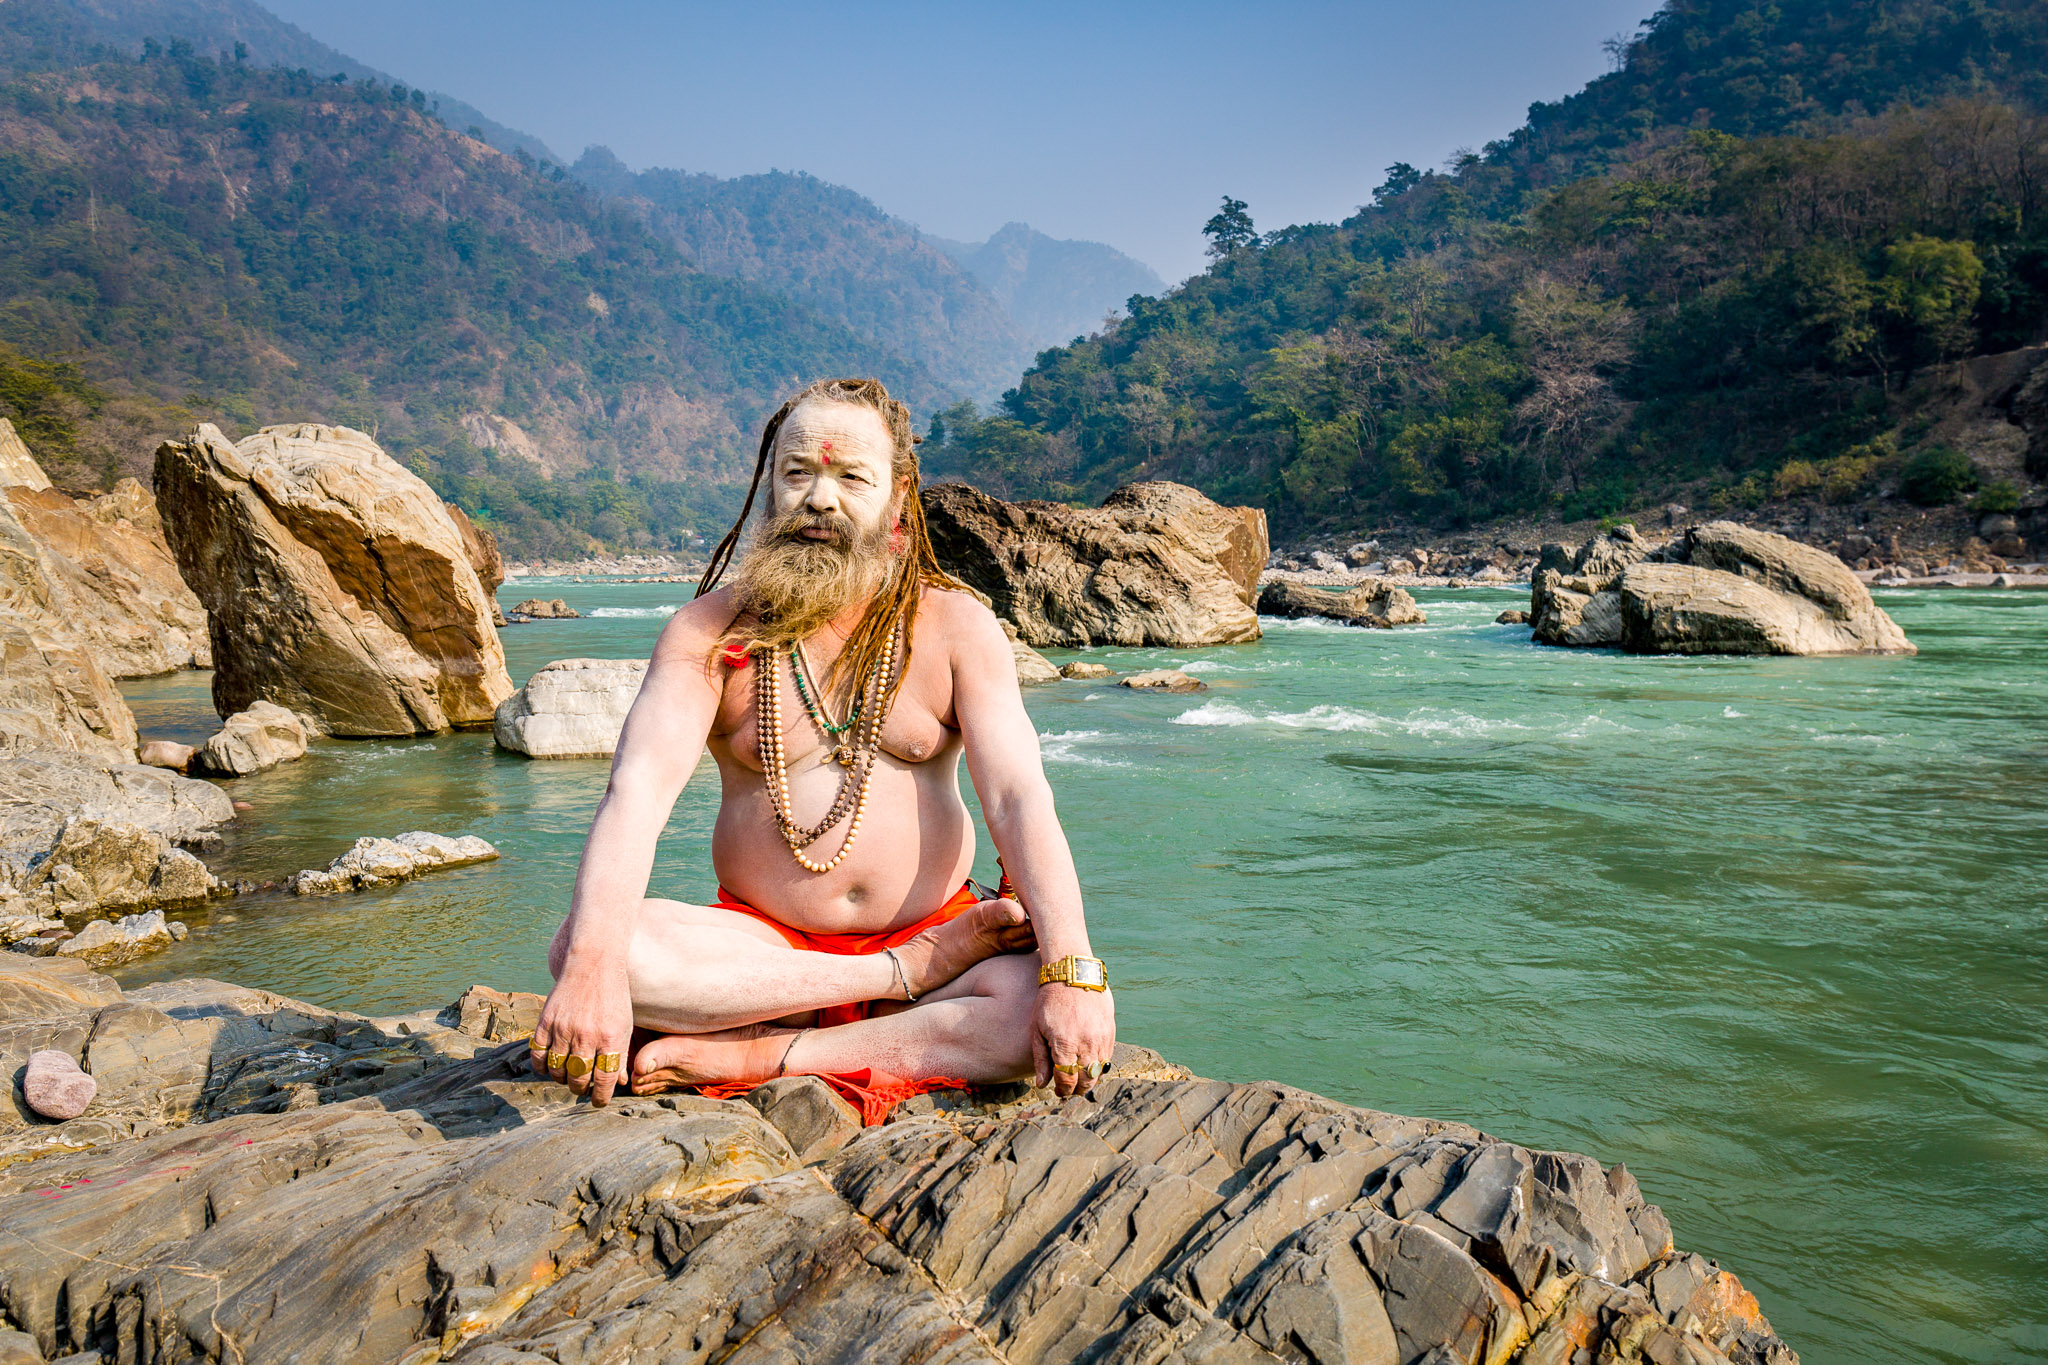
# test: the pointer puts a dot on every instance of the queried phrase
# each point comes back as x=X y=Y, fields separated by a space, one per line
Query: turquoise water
x=1770 y=931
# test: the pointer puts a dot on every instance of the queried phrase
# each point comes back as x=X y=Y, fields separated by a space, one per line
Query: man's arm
x=1073 y=1026
x=590 y=1010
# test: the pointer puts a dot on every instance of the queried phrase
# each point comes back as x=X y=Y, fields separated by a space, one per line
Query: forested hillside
x=183 y=237
x=833 y=251
x=1715 y=272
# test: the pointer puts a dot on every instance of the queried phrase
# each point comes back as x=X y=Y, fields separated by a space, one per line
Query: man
x=838 y=681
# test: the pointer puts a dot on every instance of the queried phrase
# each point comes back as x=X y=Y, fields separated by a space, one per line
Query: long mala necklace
x=866 y=722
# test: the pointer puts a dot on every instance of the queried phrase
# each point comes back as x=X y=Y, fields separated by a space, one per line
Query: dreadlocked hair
x=916 y=568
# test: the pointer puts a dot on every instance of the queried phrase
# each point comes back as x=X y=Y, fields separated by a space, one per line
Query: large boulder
x=18 y=468
x=338 y=585
x=55 y=697
x=251 y=741
x=96 y=574
x=1720 y=589
x=1575 y=597
x=315 y=1186
x=80 y=838
x=1156 y=564
x=571 y=708
x=1376 y=605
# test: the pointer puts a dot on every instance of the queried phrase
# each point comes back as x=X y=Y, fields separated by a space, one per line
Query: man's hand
x=588 y=1014
x=1071 y=1028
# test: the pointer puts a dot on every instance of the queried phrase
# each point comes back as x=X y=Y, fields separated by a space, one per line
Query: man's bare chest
x=916 y=729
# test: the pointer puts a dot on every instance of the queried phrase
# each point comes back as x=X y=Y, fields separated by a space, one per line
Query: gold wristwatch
x=1088 y=973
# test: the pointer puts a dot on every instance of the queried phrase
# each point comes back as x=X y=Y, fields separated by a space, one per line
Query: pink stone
x=55 y=1087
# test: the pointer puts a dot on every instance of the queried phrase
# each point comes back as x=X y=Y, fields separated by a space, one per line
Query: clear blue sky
x=1116 y=122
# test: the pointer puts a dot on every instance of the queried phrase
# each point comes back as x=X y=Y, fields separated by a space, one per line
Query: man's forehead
x=839 y=432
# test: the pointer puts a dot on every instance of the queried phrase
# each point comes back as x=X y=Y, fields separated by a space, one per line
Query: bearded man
x=837 y=681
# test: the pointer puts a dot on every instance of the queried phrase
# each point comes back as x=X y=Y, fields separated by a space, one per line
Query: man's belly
x=915 y=847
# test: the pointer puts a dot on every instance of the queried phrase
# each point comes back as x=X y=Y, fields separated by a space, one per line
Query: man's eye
x=855 y=478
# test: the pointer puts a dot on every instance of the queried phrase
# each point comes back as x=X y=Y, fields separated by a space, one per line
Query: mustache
x=792 y=525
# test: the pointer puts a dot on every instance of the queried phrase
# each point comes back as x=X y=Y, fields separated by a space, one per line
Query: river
x=1773 y=932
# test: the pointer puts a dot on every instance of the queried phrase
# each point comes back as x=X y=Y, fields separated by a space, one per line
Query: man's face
x=835 y=458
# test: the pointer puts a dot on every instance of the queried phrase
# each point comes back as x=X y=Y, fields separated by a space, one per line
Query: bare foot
x=944 y=951
x=670 y=1061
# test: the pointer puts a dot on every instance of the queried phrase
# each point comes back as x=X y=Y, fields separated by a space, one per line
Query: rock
x=2004 y=580
x=15 y=927
x=165 y=753
x=571 y=708
x=337 y=584
x=1722 y=589
x=79 y=838
x=18 y=468
x=542 y=610
x=1326 y=562
x=96 y=574
x=1378 y=605
x=1992 y=525
x=480 y=548
x=809 y=1113
x=1512 y=617
x=254 y=739
x=1080 y=670
x=1163 y=680
x=109 y=943
x=1397 y=567
x=380 y=862
x=1675 y=513
x=1362 y=554
x=55 y=1087
x=498 y=1016
x=1156 y=564
x=336 y=1189
x=1032 y=667
x=55 y=698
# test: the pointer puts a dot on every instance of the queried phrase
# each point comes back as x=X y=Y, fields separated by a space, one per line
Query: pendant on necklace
x=844 y=753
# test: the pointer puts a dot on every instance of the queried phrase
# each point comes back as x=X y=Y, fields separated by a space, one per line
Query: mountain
x=1054 y=290
x=833 y=251
x=1732 y=272
x=183 y=237
x=54 y=33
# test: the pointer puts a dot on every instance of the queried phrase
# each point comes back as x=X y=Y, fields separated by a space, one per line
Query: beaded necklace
x=801 y=670
x=866 y=722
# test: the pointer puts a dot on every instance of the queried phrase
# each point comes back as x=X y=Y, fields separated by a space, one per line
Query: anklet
x=783 y=1070
x=901 y=979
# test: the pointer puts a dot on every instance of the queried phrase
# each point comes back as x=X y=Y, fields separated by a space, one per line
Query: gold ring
x=1071 y=1069
x=577 y=1067
x=610 y=1061
x=537 y=1049
x=1099 y=1069
x=555 y=1059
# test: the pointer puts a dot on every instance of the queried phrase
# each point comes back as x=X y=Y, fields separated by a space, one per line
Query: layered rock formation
x=80 y=838
x=251 y=741
x=1375 y=605
x=18 y=467
x=56 y=698
x=97 y=574
x=481 y=548
x=263 y=1180
x=380 y=862
x=1156 y=564
x=1720 y=589
x=571 y=708
x=337 y=584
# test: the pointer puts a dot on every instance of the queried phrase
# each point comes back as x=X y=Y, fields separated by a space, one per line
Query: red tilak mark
x=826 y=458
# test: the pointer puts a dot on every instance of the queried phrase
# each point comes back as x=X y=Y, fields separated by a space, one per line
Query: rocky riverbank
x=259 y=1179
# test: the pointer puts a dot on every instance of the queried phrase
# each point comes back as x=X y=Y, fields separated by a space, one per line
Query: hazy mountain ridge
x=1055 y=289
x=832 y=250
x=54 y=33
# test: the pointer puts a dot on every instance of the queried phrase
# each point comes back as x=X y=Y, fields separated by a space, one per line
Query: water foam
x=614 y=613
x=1428 y=721
x=1064 y=748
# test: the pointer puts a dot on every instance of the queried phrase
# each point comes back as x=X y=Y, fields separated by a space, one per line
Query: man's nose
x=823 y=495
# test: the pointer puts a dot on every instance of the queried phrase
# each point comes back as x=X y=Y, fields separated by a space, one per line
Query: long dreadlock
x=918 y=566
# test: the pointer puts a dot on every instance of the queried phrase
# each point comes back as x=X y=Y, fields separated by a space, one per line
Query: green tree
x=1230 y=230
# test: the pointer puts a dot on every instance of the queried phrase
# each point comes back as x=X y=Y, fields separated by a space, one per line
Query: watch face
x=1088 y=973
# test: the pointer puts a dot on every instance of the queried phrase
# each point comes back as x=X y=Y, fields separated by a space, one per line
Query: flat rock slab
x=381 y=862
x=333 y=1191
x=1163 y=680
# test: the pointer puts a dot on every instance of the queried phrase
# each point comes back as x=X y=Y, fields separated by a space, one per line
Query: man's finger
x=537 y=1055
x=602 y=1083
x=1041 y=1060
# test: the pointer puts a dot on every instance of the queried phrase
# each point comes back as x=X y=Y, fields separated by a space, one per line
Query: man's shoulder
x=699 y=624
x=973 y=633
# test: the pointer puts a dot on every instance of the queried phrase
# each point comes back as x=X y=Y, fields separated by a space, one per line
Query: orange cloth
x=874 y=1093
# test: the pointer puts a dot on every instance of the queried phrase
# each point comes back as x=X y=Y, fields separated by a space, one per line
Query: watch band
x=1084 y=973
